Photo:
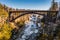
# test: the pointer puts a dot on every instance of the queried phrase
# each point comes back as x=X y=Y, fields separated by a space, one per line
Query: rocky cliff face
x=23 y=18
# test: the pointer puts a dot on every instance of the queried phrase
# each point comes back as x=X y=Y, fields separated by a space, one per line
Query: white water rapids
x=32 y=28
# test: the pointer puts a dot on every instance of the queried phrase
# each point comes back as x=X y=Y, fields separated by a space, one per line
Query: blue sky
x=28 y=4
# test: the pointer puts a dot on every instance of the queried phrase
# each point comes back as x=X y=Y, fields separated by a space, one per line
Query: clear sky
x=28 y=4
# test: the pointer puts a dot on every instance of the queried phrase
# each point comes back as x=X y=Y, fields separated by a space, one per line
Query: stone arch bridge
x=14 y=14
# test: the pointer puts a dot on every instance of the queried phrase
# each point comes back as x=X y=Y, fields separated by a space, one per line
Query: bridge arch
x=24 y=12
x=23 y=15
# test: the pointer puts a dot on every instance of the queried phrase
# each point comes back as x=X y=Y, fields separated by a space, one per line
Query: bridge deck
x=17 y=11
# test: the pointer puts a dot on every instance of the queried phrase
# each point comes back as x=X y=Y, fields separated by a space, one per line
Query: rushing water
x=32 y=28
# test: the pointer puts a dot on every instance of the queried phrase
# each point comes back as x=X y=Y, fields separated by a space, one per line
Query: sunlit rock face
x=22 y=18
x=31 y=30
